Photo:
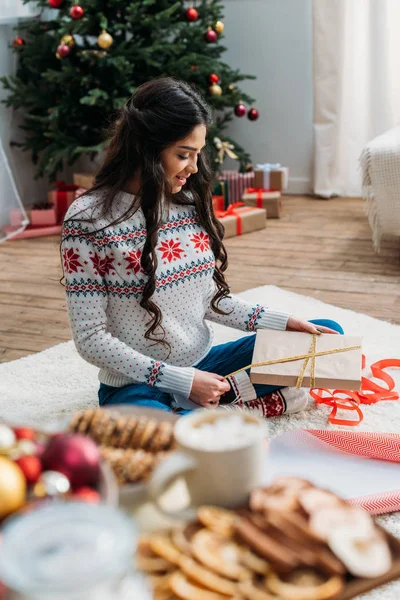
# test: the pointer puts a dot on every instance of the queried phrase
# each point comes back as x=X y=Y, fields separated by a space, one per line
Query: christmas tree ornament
x=253 y=114
x=68 y=40
x=86 y=494
x=18 y=42
x=211 y=36
x=192 y=14
x=213 y=78
x=55 y=3
x=12 y=487
x=63 y=50
x=240 y=110
x=51 y=483
x=22 y=448
x=219 y=26
x=31 y=467
x=24 y=433
x=7 y=438
x=59 y=57
x=76 y=12
x=105 y=40
x=74 y=455
x=224 y=147
x=216 y=90
x=232 y=87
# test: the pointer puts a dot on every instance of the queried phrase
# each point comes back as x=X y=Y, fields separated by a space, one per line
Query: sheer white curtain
x=356 y=86
x=13 y=217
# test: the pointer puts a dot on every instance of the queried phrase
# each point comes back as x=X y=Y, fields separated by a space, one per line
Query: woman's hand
x=295 y=324
x=207 y=388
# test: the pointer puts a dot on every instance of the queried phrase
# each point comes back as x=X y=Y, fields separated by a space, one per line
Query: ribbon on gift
x=370 y=392
x=259 y=198
x=267 y=168
x=62 y=201
x=232 y=212
x=224 y=148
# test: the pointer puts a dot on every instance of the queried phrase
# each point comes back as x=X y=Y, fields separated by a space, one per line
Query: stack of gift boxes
x=244 y=201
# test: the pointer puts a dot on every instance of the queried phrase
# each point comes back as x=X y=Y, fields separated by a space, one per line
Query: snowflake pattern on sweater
x=105 y=283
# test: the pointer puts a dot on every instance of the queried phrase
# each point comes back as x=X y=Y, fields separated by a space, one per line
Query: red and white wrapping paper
x=237 y=183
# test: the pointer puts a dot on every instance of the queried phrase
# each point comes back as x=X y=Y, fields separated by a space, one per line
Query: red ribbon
x=370 y=393
x=61 y=186
x=232 y=212
x=259 y=192
x=62 y=201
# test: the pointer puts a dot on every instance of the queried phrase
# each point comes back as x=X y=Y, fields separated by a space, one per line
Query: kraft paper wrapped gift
x=271 y=201
x=84 y=180
x=241 y=219
x=271 y=176
x=337 y=370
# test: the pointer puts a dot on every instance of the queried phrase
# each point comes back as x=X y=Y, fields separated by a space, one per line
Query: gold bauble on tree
x=105 y=40
x=219 y=27
x=216 y=90
x=67 y=40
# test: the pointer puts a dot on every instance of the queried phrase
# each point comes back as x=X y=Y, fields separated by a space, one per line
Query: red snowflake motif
x=71 y=262
x=201 y=241
x=133 y=260
x=102 y=265
x=171 y=249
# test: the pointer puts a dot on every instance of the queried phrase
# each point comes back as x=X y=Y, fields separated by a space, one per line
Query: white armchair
x=380 y=163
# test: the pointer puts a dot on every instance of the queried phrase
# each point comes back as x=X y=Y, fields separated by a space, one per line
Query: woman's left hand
x=295 y=324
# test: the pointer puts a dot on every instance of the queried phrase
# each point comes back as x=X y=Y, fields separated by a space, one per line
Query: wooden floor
x=318 y=248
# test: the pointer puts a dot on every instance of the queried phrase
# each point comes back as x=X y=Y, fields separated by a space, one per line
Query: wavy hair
x=160 y=112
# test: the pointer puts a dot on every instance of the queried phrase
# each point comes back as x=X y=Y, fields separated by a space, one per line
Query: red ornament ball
x=63 y=50
x=24 y=433
x=31 y=467
x=213 y=78
x=211 y=36
x=253 y=114
x=18 y=42
x=192 y=14
x=86 y=494
x=74 y=455
x=55 y=3
x=77 y=12
x=240 y=110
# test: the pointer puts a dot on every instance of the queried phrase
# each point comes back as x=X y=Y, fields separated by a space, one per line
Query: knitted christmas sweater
x=104 y=286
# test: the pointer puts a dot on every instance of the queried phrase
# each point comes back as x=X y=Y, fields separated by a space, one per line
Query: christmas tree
x=79 y=62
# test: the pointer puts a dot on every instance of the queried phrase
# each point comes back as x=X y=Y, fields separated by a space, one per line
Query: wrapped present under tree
x=271 y=176
x=271 y=201
x=239 y=219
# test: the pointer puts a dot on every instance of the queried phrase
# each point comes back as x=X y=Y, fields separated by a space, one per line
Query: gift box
x=84 y=180
x=304 y=360
x=218 y=203
x=239 y=219
x=43 y=215
x=237 y=183
x=221 y=189
x=270 y=176
x=62 y=197
x=271 y=201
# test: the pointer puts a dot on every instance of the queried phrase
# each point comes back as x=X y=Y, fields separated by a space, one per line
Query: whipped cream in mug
x=223 y=432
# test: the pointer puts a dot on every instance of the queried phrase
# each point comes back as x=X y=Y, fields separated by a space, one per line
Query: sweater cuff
x=176 y=380
x=272 y=319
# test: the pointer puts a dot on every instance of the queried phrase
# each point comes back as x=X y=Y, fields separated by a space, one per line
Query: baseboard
x=300 y=186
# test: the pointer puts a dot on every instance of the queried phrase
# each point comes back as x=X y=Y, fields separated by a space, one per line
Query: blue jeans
x=222 y=359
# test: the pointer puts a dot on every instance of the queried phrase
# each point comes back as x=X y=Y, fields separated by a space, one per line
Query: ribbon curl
x=224 y=148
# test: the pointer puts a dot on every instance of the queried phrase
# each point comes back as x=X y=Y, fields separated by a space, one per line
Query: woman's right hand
x=207 y=388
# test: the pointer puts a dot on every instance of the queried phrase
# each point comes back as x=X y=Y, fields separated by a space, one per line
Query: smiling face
x=180 y=159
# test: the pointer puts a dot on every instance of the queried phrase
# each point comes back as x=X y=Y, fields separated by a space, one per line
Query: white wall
x=272 y=39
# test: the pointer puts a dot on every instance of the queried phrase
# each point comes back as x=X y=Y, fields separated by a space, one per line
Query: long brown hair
x=160 y=112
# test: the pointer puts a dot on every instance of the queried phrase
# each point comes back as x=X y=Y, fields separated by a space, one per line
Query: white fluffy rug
x=39 y=388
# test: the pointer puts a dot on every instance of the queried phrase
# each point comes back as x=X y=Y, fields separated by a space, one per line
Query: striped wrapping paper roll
x=237 y=183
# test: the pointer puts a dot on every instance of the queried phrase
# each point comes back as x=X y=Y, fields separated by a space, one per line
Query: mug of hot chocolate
x=221 y=456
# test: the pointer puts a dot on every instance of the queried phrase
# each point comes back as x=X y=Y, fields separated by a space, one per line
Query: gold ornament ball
x=219 y=27
x=67 y=40
x=105 y=40
x=216 y=90
x=12 y=487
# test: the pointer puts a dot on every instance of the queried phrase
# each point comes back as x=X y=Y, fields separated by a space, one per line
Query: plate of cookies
x=132 y=440
x=294 y=541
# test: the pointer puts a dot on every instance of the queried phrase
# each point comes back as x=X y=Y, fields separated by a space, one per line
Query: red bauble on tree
x=55 y=3
x=253 y=114
x=63 y=50
x=213 y=78
x=77 y=12
x=74 y=455
x=211 y=36
x=18 y=42
x=192 y=14
x=240 y=110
